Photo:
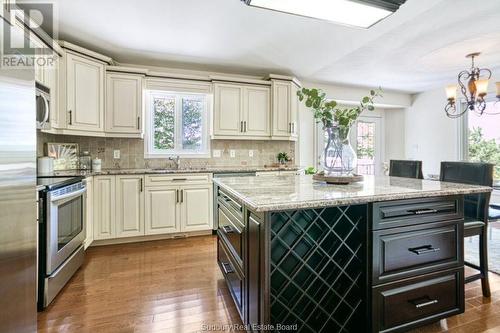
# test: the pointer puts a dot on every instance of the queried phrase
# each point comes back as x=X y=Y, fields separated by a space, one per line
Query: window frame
x=149 y=151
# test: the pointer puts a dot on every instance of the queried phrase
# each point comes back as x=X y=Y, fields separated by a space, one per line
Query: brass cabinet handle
x=70 y=117
x=245 y=126
x=182 y=196
x=138 y=123
x=241 y=126
x=179 y=179
x=142 y=185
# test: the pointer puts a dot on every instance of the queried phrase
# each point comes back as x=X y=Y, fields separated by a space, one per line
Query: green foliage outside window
x=192 y=123
x=164 y=122
x=483 y=150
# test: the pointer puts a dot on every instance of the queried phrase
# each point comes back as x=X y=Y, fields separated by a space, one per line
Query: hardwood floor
x=161 y=286
x=176 y=286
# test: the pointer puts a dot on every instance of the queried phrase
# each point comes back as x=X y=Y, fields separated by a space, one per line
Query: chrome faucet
x=177 y=161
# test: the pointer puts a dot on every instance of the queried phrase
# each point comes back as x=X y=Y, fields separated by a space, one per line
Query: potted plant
x=282 y=158
x=338 y=157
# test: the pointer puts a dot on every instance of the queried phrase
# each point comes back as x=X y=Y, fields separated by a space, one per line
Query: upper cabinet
x=242 y=111
x=124 y=103
x=285 y=110
x=84 y=93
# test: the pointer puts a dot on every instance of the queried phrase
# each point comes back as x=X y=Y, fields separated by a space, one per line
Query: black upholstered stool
x=476 y=208
x=406 y=168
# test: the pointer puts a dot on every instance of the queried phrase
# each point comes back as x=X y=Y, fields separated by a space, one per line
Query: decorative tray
x=339 y=180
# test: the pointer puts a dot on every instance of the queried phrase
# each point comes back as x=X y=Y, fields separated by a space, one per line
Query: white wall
x=395 y=138
x=430 y=135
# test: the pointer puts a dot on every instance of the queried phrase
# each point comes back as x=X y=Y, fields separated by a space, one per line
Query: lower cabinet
x=162 y=210
x=104 y=207
x=89 y=215
x=182 y=207
x=125 y=207
x=129 y=206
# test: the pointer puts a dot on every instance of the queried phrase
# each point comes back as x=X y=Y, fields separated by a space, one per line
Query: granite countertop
x=294 y=192
x=214 y=169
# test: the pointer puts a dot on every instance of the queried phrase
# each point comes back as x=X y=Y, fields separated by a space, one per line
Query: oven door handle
x=68 y=195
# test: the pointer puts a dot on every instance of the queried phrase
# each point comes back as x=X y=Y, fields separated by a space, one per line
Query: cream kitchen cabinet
x=104 y=207
x=196 y=207
x=179 y=204
x=84 y=79
x=162 y=210
x=285 y=110
x=129 y=206
x=89 y=212
x=124 y=104
x=241 y=111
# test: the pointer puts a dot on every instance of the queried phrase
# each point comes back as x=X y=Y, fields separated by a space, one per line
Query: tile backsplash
x=132 y=152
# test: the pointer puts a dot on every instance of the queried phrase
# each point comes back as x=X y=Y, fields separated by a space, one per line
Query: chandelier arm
x=464 y=75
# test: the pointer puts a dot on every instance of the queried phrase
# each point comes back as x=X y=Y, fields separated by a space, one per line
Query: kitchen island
x=382 y=255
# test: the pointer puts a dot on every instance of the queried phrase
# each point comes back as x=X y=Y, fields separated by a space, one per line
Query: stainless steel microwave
x=43 y=107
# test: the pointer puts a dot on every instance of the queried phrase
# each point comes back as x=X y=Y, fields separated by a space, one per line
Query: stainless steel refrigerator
x=18 y=222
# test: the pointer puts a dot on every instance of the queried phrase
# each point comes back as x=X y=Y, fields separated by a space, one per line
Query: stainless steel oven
x=66 y=223
x=61 y=235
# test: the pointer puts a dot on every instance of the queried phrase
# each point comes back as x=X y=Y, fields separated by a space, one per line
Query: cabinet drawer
x=231 y=204
x=400 y=306
x=399 y=213
x=233 y=277
x=178 y=179
x=412 y=251
x=232 y=232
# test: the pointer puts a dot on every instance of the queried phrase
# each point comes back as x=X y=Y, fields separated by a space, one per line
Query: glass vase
x=338 y=157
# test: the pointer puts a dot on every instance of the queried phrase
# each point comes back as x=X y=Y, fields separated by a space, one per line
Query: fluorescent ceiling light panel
x=346 y=12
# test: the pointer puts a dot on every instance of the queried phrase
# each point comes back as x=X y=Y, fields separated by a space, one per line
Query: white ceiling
x=420 y=47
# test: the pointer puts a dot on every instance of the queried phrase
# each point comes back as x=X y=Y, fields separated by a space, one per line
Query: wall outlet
x=116 y=154
x=216 y=153
x=232 y=153
x=250 y=153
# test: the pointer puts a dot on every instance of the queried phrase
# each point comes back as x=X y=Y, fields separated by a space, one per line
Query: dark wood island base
x=374 y=267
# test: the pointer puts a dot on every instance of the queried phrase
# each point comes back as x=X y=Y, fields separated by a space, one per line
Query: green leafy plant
x=330 y=113
x=310 y=170
x=483 y=150
x=283 y=157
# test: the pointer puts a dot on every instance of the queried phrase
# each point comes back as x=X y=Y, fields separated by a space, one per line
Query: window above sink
x=177 y=124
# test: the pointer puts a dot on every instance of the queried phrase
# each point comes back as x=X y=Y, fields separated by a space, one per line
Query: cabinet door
x=196 y=208
x=104 y=207
x=281 y=109
x=162 y=210
x=85 y=93
x=257 y=110
x=89 y=210
x=294 y=111
x=123 y=103
x=228 y=109
x=129 y=206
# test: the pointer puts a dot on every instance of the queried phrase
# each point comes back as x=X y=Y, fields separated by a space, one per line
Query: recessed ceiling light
x=359 y=13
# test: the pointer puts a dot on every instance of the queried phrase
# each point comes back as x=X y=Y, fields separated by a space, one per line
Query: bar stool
x=475 y=210
x=406 y=168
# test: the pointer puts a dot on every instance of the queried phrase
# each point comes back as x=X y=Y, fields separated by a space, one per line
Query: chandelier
x=473 y=85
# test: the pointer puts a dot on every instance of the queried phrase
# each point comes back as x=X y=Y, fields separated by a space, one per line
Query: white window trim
x=149 y=151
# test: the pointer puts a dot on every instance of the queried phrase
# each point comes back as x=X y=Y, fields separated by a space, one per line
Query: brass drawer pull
x=423 y=302
x=424 y=249
x=179 y=179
